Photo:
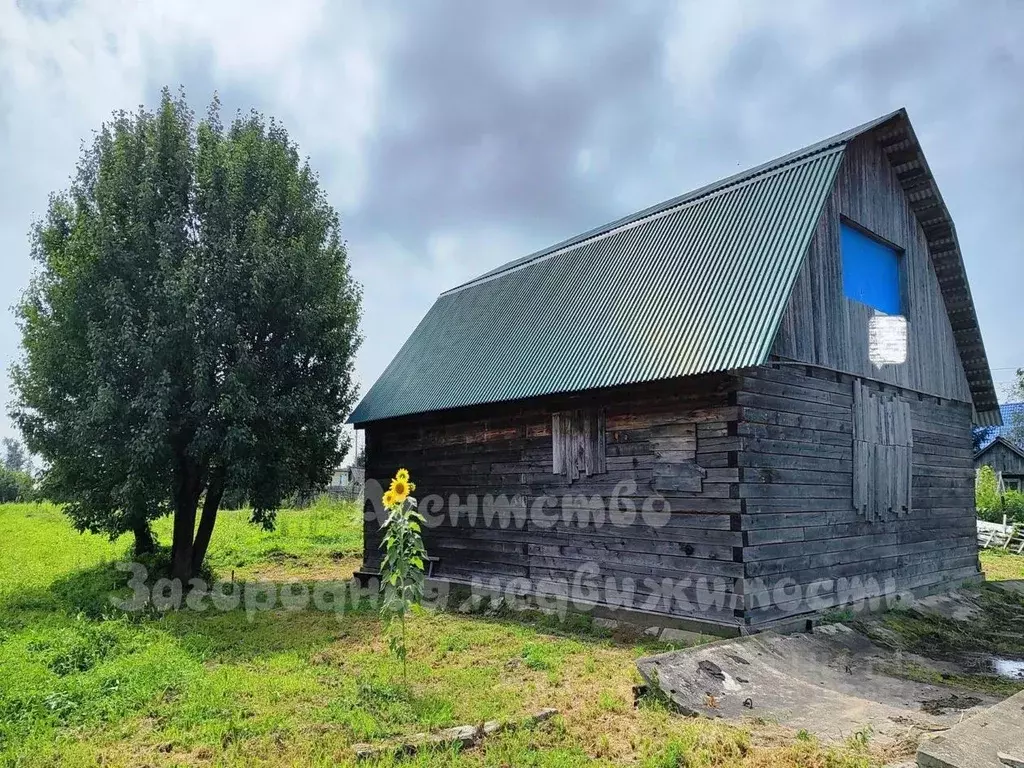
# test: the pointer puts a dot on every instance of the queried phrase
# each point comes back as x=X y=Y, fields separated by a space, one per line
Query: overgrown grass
x=84 y=684
x=1002 y=566
x=992 y=631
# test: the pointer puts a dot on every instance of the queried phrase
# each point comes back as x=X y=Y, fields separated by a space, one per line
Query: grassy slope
x=81 y=684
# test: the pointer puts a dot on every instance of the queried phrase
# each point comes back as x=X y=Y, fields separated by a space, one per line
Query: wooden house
x=1006 y=459
x=787 y=362
x=1001 y=449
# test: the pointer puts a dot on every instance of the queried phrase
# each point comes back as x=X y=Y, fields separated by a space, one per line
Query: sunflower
x=389 y=499
x=400 y=489
x=402 y=474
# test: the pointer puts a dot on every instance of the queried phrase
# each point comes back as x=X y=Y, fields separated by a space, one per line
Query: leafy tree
x=14 y=457
x=190 y=331
x=1016 y=425
x=16 y=486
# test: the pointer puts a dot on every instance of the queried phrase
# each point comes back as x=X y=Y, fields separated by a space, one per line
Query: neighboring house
x=714 y=352
x=340 y=478
x=346 y=478
x=1001 y=448
x=1006 y=459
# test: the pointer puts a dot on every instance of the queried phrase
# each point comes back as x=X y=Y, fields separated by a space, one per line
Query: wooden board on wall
x=882 y=453
x=809 y=529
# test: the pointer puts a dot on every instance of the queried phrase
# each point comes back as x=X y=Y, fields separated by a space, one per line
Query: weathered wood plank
x=821 y=326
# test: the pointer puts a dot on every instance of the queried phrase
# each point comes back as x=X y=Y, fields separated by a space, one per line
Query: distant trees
x=14 y=456
x=1013 y=428
x=1016 y=424
x=190 y=332
x=16 y=486
x=981 y=436
x=16 y=483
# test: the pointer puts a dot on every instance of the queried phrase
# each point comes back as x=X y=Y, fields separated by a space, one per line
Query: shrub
x=1013 y=502
x=986 y=494
x=990 y=505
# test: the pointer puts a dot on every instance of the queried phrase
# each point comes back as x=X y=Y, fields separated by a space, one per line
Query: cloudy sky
x=453 y=136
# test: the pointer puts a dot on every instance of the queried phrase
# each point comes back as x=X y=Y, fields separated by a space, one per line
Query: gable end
x=885 y=188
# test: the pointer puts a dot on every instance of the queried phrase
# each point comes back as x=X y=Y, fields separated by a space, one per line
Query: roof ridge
x=636 y=220
x=736 y=180
x=1003 y=440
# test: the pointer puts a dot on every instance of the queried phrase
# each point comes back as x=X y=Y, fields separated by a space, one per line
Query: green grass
x=304 y=540
x=1002 y=566
x=84 y=684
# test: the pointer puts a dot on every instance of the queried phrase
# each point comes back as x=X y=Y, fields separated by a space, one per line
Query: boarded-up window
x=578 y=442
x=871 y=270
x=675 y=458
x=882 y=454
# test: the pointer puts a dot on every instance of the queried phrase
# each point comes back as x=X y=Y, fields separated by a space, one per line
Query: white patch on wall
x=887 y=339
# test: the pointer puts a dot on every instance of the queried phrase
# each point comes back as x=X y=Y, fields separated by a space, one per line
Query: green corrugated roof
x=694 y=285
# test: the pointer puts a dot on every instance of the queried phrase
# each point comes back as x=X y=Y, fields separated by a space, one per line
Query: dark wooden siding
x=823 y=327
x=796 y=484
x=1002 y=459
x=506 y=449
x=774 y=452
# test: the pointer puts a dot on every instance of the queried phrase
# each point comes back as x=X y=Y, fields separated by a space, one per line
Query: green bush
x=1014 y=507
x=986 y=493
x=990 y=505
x=16 y=486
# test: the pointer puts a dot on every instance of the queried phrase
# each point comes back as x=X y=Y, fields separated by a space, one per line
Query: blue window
x=871 y=271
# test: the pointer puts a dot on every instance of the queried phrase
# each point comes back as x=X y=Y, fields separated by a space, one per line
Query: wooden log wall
x=767 y=499
x=677 y=439
x=799 y=518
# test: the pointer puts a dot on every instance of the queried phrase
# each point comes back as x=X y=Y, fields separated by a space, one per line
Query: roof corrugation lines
x=697 y=284
x=696 y=288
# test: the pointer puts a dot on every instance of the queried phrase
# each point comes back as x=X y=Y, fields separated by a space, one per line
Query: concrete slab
x=959 y=605
x=830 y=682
x=992 y=738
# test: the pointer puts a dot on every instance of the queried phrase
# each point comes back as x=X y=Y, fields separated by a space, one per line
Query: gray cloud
x=488 y=106
x=455 y=135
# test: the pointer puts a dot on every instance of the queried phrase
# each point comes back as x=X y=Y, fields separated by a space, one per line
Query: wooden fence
x=996 y=536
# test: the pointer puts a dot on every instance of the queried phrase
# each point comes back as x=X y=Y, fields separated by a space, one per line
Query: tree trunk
x=145 y=544
x=214 y=494
x=186 y=498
